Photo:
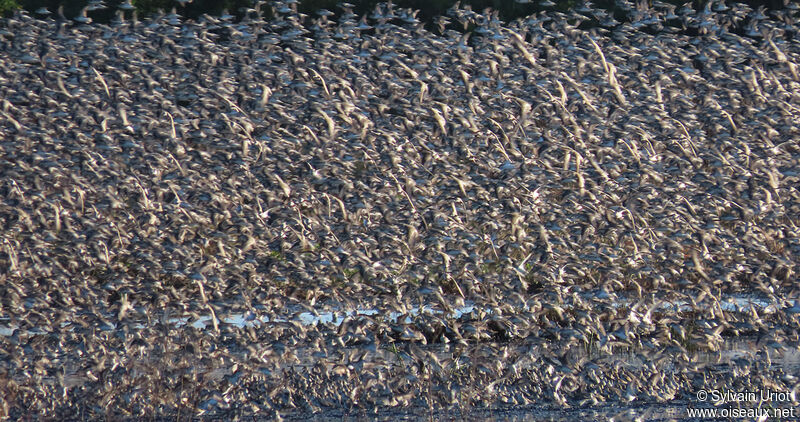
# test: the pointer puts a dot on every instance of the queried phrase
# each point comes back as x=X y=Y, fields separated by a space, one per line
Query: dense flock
x=564 y=211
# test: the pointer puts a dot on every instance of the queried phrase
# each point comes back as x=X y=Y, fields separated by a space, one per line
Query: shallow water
x=335 y=317
x=728 y=355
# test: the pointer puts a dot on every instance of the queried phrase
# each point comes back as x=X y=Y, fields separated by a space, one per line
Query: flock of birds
x=594 y=192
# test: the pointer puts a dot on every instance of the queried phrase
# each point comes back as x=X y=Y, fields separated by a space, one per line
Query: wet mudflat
x=325 y=217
